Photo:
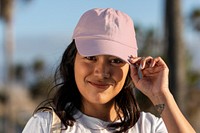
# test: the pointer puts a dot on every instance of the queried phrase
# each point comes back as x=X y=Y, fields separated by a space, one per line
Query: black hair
x=67 y=98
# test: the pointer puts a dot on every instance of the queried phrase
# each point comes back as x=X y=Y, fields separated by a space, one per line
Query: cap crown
x=106 y=24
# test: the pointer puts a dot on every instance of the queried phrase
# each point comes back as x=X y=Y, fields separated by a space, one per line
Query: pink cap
x=105 y=32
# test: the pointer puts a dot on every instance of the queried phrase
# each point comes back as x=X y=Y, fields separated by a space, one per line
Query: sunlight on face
x=99 y=78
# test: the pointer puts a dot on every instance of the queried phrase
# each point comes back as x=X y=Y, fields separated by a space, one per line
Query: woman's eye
x=117 y=61
x=92 y=58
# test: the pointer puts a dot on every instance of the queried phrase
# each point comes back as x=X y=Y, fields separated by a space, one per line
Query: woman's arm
x=154 y=84
x=171 y=114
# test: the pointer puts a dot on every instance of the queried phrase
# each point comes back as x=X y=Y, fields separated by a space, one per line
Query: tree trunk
x=9 y=51
x=7 y=17
x=176 y=51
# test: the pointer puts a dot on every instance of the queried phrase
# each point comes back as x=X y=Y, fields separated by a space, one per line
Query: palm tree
x=6 y=14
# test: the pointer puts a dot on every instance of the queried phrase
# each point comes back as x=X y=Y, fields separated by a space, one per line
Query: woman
x=96 y=78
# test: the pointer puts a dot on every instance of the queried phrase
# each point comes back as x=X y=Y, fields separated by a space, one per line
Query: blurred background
x=35 y=33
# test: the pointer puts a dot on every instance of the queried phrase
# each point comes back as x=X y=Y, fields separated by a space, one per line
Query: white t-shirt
x=41 y=123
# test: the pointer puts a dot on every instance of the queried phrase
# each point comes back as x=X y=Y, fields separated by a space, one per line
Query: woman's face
x=99 y=78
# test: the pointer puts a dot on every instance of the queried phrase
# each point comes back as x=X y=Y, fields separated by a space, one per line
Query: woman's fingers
x=145 y=62
x=145 y=66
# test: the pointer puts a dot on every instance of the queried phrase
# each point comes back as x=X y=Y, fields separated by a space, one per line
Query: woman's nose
x=102 y=70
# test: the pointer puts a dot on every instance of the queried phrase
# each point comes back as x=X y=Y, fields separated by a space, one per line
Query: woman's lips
x=100 y=85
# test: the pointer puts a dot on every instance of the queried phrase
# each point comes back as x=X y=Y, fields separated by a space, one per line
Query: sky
x=43 y=28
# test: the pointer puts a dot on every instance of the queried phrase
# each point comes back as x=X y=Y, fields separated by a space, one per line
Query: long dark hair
x=67 y=98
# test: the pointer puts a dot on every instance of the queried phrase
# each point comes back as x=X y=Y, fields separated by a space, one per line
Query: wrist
x=161 y=98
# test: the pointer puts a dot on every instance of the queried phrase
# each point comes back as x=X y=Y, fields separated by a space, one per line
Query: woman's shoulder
x=38 y=122
x=148 y=122
x=44 y=116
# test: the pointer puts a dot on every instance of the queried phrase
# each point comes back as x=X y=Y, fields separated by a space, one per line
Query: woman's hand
x=154 y=84
x=154 y=80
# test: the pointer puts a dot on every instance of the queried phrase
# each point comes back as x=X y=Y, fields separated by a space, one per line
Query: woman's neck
x=105 y=112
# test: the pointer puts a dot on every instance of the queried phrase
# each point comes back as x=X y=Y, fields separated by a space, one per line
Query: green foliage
x=42 y=80
x=20 y=71
x=6 y=10
x=149 y=42
x=195 y=19
x=40 y=89
x=3 y=97
x=38 y=65
x=193 y=78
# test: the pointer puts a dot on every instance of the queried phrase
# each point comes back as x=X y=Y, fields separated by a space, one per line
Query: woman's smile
x=99 y=85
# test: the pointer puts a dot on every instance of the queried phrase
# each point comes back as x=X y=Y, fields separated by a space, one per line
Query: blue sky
x=43 y=28
x=45 y=16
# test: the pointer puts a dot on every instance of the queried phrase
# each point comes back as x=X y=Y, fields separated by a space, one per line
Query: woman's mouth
x=100 y=85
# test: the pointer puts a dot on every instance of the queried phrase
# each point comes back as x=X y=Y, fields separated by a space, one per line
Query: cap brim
x=92 y=47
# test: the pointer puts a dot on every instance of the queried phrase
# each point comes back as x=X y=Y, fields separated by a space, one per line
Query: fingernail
x=140 y=73
x=129 y=60
x=140 y=67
